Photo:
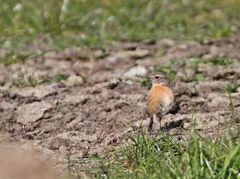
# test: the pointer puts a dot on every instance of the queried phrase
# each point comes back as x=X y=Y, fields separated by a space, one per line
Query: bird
x=160 y=101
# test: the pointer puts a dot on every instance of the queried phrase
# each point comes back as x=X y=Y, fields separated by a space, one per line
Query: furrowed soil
x=79 y=103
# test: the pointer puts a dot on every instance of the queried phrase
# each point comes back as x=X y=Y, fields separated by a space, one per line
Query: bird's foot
x=155 y=132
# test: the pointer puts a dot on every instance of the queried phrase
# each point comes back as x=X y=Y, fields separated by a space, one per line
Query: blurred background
x=92 y=23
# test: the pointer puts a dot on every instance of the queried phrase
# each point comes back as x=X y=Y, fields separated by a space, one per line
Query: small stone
x=12 y=95
x=214 y=51
x=95 y=151
x=113 y=83
x=120 y=104
x=133 y=54
x=106 y=95
x=130 y=46
x=167 y=42
x=200 y=100
x=47 y=115
x=98 y=53
x=183 y=46
x=208 y=56
x=76 y=99
x=136 y=71
x=74 y=80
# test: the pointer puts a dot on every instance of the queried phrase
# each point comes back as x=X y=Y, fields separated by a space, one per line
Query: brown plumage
x=160 y=101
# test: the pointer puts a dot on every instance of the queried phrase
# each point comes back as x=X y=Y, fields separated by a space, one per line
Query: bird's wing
x=164 y=110
x=160 y=111
x=168 y=108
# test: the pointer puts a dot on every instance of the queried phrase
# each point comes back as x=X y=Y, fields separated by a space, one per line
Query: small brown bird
x=160 y=101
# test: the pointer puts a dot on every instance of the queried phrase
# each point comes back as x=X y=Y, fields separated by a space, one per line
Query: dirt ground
x=102 y=100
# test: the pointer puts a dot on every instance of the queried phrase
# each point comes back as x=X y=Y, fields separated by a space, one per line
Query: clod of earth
x=30 y=113
x=38 y=91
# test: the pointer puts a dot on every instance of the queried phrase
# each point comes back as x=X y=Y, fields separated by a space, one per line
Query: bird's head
x=159 y=79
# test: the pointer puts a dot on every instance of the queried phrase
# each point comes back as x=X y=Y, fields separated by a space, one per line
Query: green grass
x=16 y=57
x=196 y=61
x=146 y=82
x=94 y=23
x=25 y=80
x=166 y=157
x=194 y=78
x=233 y=87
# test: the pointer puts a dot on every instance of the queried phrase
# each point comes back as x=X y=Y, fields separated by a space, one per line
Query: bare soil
x=100 y=104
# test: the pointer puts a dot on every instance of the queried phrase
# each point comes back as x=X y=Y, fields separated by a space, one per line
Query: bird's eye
x=157 y=77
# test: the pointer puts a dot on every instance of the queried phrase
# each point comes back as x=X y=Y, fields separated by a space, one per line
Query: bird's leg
x=150 y=125
x=157 y=122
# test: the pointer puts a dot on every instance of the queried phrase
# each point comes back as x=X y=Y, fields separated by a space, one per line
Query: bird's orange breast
x=159 y=95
